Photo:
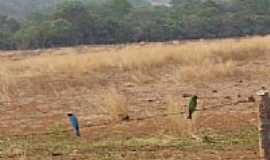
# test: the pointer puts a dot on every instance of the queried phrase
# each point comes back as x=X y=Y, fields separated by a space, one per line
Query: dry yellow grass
x=198 y=59
x=115 y=105
x=209 y=59
x=210 y=71
x=178 y=123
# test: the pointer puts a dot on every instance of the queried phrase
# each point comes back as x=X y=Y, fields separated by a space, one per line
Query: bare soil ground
x=34 y=125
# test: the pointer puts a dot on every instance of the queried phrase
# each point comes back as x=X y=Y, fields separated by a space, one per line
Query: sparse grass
x=65 y=146
x=246 y=136
x=57 y=129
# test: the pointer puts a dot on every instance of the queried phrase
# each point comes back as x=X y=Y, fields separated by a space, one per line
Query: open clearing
x=147 y=82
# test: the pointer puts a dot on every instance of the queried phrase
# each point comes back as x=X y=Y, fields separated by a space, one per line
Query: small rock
x=207 y=139
x=240 y=81
x=129 y=85
x=124 y=117
x=175 y=42
x=185 y=95
x=263 y=88
x=75 y=151
x=56 y=154
x=142 y=43
x=151 y=99
x=214 y=91
x=251 y=99
x=228 y=97
x=239 y=96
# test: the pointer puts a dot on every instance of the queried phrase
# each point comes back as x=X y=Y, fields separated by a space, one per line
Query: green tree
x=7 y=27
x=59 y=32
x=151 y=24
x=80 y=17
x=117 y=8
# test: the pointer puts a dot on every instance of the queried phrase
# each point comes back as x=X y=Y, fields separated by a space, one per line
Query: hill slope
x=22 y=8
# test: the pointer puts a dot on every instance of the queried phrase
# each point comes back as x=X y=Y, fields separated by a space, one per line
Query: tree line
x=118 y=21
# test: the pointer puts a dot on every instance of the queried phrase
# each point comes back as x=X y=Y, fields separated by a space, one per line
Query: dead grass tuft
x=178 y=124
x=115 y=105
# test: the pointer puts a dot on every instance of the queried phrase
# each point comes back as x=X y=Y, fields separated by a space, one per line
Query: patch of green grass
x=62 y=144
x=244 y=137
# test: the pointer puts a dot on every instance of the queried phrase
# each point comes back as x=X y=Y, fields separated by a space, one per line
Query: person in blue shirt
x=74 y=123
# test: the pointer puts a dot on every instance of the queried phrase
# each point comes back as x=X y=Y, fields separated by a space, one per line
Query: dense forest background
x=30 y=24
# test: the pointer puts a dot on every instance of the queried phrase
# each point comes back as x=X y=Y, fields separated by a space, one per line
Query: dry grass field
x=149 y=83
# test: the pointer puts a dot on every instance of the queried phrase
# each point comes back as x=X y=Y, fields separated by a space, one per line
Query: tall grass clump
x=178 y=124
x=115 y=105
